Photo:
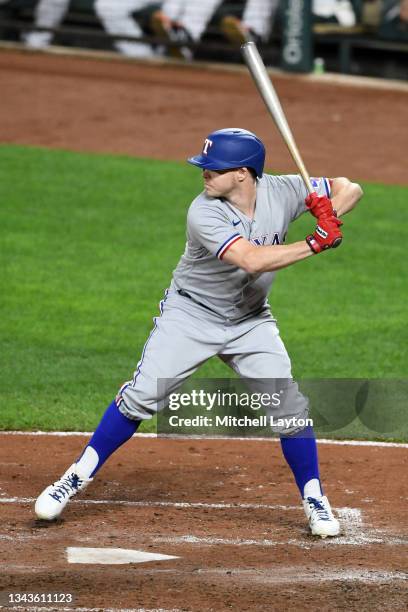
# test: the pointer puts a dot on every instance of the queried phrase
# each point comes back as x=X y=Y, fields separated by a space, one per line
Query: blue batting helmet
x=231 y=148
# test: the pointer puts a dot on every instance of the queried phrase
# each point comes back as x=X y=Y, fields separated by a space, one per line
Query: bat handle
x=306 y=178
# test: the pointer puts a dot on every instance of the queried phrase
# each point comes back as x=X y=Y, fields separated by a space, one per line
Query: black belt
x=187 y=295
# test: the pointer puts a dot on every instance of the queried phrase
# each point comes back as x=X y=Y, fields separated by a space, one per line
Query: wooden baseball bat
x=265 y=87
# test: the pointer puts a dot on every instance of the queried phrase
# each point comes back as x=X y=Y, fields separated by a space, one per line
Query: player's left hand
x=321 y=207
x=327 y=234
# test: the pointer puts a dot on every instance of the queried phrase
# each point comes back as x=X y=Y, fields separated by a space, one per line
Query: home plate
x=112 y=556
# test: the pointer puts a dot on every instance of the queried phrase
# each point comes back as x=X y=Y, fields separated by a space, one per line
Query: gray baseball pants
x=185 y=335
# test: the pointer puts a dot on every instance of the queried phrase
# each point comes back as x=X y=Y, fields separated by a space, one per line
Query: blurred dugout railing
x=350 y=36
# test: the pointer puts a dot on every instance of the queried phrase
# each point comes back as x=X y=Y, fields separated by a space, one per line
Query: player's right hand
x=327 y=235
x=319 y=206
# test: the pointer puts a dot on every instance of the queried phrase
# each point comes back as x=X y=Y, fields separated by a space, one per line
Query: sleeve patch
x=321 y=185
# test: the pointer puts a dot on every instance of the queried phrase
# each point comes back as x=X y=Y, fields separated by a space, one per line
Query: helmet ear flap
x=253 y=173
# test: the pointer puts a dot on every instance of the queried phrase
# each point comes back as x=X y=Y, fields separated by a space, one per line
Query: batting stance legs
x=184 y=336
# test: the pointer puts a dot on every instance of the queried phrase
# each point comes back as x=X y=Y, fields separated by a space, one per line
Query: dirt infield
x=227 y=510
x=164 y=113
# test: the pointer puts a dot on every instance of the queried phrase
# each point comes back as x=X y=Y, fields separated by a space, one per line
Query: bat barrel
x=265 y=87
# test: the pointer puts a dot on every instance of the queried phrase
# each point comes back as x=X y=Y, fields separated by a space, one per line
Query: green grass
x=88 y=245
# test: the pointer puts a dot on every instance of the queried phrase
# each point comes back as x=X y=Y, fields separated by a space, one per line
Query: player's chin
x=210 y=191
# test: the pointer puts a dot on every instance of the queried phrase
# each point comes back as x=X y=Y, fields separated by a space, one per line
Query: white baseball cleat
x=320 y=516
x=54 y=498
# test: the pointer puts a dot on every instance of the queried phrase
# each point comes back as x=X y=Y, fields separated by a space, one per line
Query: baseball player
x=217 y=304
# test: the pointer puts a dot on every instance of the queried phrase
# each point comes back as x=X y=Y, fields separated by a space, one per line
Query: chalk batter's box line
x=355 y=532
x=163 y=504
x=186 y=437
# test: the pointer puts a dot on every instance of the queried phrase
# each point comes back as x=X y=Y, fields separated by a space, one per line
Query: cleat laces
x=318 y=509
x=66 y=486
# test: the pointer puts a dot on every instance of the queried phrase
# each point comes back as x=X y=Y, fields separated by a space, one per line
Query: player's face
x=219 y=183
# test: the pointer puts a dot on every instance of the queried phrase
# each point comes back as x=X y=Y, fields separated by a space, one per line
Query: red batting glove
x=319 y=206
x=327 y=235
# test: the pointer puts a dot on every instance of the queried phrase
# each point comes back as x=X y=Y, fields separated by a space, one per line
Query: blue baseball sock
x=113 y=431
x=300 y=451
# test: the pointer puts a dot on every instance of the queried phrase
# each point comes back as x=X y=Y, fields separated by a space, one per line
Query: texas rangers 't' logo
x=207 y=144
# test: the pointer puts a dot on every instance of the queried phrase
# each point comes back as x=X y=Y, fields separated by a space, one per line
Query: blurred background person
x=47 y=14
x=340 y=11
x=404 y=10
x=115 y=16
x=394 y=20
x=185 y=22
x=395 y=10
x=256 y=22
x=117 y=19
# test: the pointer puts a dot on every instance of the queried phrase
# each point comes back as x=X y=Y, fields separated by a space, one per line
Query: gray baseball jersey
x=213 y=225
x=227 y=312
